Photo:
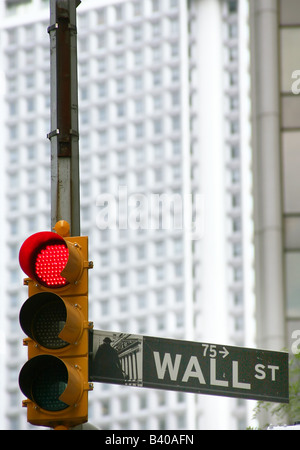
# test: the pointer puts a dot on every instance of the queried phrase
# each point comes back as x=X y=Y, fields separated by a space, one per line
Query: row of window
x=139 y=277
x=140 y=301
x=141 y=104
x=129 y=10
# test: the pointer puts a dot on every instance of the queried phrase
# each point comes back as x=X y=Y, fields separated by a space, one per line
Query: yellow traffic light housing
x=55 y=319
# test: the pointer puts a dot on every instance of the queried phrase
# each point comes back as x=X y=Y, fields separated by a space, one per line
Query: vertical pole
x=64 y=135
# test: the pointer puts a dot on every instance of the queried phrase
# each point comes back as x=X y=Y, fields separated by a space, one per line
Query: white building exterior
x=164 y=109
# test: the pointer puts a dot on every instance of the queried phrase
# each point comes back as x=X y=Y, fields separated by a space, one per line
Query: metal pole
x=64 y=135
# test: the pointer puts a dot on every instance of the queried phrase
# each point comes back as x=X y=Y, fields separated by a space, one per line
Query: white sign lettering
x=193 y=370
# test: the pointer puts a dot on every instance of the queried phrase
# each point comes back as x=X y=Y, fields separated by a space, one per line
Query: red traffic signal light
x=46 y=257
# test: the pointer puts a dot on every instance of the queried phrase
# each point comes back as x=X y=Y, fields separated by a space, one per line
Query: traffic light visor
x=50 y=321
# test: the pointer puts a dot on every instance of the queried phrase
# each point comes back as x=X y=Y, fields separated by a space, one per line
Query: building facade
x=275 y=87
x=164 y=95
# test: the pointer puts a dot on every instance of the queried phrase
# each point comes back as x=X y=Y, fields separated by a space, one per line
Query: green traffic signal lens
x=43 y=379
x=48 y=386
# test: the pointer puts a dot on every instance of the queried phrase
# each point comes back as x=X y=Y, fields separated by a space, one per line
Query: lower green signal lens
x=48 y=387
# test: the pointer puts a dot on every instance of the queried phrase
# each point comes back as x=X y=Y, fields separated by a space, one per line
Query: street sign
x=197 y=367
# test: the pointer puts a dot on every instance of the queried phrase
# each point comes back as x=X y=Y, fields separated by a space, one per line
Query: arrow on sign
x=225 y=352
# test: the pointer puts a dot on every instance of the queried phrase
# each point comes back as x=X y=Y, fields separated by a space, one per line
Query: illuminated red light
x=43 y=256
x=49 y=263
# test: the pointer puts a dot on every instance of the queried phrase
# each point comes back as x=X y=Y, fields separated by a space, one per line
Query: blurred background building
x=276 y=140
x=165 y=108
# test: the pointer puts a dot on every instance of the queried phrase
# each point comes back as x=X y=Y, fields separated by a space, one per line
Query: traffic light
x=55 y=319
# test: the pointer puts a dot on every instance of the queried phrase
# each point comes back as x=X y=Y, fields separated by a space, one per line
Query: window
x=121 y=134
x=30 y=102
x=139 y=106
x=101 y=16
x=104 y=258
x=102 y=114
x=291 y=163
x=238 y=274
x=160 y=297
x=120 y=86
x=123 y=279
x=157 y=102
x=102 y=89
x=155 y=5
x=160 y=248
x=236 y=225
x=138 y=83
x=160 y=273
x=104 y=307
x=158 y=151
x=174 y=50
x=156 y=29
x=143 y=401
x=137 y=33
x=139 y=130
x=178 y=270
x=104 y=282
x=176 y=145
x=137 y=8
x=234 y=151
x=179 y=320
x=157 y=78
x=174 y=27
x=234 y=127
x=30 y=80
x=138 y=58
x=178 y=246
x=232 y=6
x=238 y=298
x=235 y=176
x=158 y=126
x=119 y=11
x=175 y=98
x=141 y=252
x=103 y=138
x=13 y=108
x=237 y=249
x=124 y=404
x=175 y=74
x=292 y=263
x=176 y=122
x=119 y=37
x=142 y=276
x=141 y=301
x=161 y=323
x=236 y=200
x=102 y=65
x=156 y=54
x=122 y=255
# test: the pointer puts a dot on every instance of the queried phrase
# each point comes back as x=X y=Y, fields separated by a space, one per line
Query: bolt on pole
x=64 y=135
